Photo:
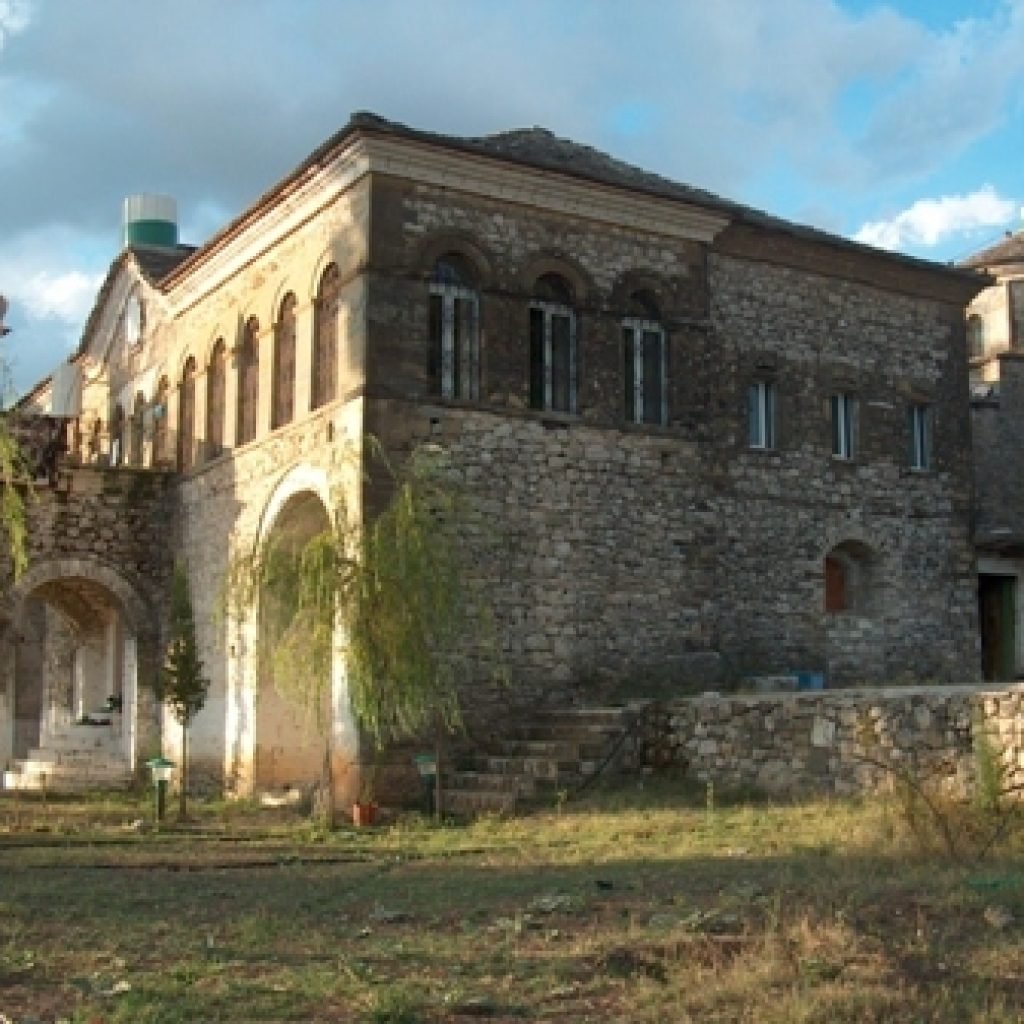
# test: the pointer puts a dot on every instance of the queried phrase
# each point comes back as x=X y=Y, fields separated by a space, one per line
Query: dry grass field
x=640 y=904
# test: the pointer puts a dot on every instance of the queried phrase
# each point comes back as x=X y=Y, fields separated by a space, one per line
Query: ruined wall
x=820 y=741
x=618 y=555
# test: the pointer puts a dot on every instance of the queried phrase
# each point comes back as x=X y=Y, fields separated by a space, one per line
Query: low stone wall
x=818 y=741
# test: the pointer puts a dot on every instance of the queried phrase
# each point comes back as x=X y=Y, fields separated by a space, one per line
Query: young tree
x=182 y=685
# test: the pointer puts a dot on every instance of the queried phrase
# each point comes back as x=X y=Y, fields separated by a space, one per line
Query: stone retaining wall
x=806 y=742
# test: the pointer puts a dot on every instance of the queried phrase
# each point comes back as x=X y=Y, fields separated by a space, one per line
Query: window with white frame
x=453 y=359
x=919 y=420
x=552 y=346
x=645 y=372
x=844 y=425
x=761 y=414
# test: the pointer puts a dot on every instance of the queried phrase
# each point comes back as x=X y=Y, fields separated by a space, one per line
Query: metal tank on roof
x=150 y=220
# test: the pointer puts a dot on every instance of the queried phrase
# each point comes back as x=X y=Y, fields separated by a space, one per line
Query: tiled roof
x=156 y=262
x=1009 y=249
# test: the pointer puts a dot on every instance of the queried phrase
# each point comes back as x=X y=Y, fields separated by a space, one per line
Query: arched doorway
x=291 y=729
x=77 y=635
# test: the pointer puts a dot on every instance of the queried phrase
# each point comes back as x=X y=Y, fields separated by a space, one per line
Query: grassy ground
x=640 y=905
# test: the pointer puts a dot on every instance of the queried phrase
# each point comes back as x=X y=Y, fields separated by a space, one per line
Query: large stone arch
x=79 y=632
x=49 y=574
x=287 y=747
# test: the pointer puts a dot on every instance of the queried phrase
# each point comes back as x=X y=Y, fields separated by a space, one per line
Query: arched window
x=975 y=336
x=645 y=361
x=161 y=453
x=326 y=308
x=187 y=416
x=453 y=353
x=138 y=431
x=552 y=345
x=216 y=380
x=284 y=363
x=117 y=452
x=849 y=578
x=248 y=380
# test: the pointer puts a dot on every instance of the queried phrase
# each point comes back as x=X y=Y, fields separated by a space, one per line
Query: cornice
x=279 y=220
x=486 y=177
x=552 y=191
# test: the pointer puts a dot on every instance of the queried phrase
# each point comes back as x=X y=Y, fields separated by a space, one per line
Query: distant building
x=995 y=338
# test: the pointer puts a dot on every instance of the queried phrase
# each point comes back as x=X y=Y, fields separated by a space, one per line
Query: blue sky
x=896 y=123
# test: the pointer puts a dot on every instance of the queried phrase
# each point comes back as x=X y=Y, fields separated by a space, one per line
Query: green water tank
x=150 y=220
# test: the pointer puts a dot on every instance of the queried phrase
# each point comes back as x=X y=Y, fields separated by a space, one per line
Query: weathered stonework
x=832 y=742
x=617 y=554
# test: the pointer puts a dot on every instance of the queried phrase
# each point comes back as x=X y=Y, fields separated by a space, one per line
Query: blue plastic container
x=810 y=680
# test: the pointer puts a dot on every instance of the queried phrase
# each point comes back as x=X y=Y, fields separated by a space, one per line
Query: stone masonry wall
x=998 y=436
x=817 y=741
x=618 y=555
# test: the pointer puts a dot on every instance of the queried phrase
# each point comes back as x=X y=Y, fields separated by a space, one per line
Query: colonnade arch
x=78 y=635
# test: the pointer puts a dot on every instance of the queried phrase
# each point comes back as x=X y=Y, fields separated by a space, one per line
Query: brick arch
x=437 y=245
x=301 y=479
x=311 y=288
x=579 y=280
x=51 y=573
x=632 y=281
x=286 y=286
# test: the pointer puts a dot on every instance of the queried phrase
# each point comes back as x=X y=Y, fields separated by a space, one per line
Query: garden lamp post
x=161 y=770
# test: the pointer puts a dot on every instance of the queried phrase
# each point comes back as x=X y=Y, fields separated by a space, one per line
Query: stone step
x=562 y=751
x=610 y=718
x=467 y=803
x=549 y=751
x=32 y=774
x=73 y=758
x=82 y=737
x=522 y=785
x=530 y=767
x=571 y=732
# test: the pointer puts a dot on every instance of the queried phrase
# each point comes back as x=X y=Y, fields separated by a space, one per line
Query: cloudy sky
x=899 y=123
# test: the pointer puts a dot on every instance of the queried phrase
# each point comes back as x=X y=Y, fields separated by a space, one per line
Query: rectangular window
x=1015 y=296
x=761 y=415
x=844 y=425
x=645 y=376
x=919 y=421
x=552 y=358
x=453 y=352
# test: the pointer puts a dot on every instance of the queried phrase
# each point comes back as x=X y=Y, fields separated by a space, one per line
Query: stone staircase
x=535 y=759
x=79 y=757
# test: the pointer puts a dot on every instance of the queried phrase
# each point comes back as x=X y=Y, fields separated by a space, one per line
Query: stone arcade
x=711 y=443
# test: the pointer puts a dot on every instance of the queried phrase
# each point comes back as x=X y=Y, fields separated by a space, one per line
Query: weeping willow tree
x=397 y=590
x=14 y=478
x=12 y=501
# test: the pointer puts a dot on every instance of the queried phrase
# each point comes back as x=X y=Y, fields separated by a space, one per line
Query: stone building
x=710 y=443
x=995 y=339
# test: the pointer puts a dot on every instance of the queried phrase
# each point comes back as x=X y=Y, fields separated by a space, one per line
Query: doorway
x=997 y=615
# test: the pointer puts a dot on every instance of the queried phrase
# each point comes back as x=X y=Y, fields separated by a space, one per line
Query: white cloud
x=957 y=89
x=931 y=221
x=51 y=277
x=48 y=295
x=14 y=17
